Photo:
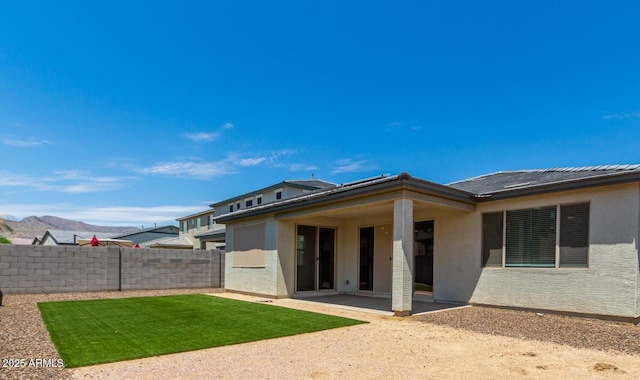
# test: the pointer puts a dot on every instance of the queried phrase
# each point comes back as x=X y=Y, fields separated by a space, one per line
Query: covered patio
x=376 y=305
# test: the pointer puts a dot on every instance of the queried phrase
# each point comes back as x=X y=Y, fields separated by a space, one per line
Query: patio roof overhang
x=363 y=197
x=217 y=236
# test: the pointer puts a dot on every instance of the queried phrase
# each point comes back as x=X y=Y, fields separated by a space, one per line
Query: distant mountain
x=30 y=227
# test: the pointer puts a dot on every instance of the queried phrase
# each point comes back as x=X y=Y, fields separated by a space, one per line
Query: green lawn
x=102 y=331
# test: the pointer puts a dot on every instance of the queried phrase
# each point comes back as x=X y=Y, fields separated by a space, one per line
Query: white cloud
x=63 y=182
x=105 y=216
x=228 y=126
x=251 y=161
x=622 y=115
x=203 y=170
x=302 y=167
x=202 y=136
x=28 y=143
x=210 y=169
x=350 y=166
x=402 y=126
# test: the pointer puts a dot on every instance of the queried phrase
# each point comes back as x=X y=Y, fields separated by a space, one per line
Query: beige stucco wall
x=286 y=281
x=607 y=287
x=610 y=286
x=192 y=230
x=258 y=280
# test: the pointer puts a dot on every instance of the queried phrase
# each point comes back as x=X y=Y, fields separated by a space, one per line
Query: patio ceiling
x=375 y=205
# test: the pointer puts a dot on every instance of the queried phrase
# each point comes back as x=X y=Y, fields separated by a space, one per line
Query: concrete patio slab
x=376 y=305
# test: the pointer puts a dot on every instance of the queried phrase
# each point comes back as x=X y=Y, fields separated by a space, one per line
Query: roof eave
x=265 y=189
x=201 y=213
x=399 y=182
x=575 y=184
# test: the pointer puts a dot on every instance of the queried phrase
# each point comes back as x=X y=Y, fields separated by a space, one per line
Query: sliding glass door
x=315 y=258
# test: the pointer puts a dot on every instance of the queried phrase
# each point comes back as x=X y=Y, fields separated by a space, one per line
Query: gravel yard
x=24 y=336
x=572 y=331
x=472 y=342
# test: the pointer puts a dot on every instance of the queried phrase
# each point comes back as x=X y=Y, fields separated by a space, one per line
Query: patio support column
x=402 y=282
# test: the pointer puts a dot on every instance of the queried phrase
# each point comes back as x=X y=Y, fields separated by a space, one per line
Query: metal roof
x=486 y=187
x=215 y=233
x=71 y=237
x=210 y=211
x=173 y=230
x=365 y=186
x=505 y=181
x=176 y=241
x=312 y=184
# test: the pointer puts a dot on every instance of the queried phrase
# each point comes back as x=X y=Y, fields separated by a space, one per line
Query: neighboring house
x=551 y=239
x=193 y=226
x=148 y=234
x=62 y=237
x=155 y=234
x=176 y=242
x=207 y=234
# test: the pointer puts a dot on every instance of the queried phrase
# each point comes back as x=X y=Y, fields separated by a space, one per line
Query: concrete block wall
x=49 y=269
x=165 y=269
x=58 y=269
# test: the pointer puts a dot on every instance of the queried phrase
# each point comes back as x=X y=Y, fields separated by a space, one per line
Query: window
x=185 y=228
x=492 y=239
x=198 y=225
x=249 y=246
x=248 y=202
x=231 y=207
x=574 y=237
x=238 y=206
x=279 y=194
x=537 y=237
x=531 y=238
x=259 y=199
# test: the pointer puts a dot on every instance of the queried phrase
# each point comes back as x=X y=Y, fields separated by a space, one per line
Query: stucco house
x=203 y=228
x=145 y=235
x=563 y=239
x=64 y=237
x=162 y=237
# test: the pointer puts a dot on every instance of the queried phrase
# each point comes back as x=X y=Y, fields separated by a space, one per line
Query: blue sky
x=137 y=112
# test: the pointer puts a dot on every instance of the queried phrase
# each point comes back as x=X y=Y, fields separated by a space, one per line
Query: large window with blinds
x=531 y=238
x=543 y=237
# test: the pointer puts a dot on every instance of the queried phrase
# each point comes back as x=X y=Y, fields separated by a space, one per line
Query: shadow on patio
x=377 y=305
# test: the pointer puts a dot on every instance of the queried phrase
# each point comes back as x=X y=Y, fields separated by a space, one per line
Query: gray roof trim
x=592 y=176
x=176 y=241
x=302 y=184
x=572 y=184
x=351 y=190
x=201 y=213
x=216 y=233
x=150 y=229
x=64 y=237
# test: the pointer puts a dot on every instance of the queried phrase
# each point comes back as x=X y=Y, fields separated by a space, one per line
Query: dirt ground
x=385 y=348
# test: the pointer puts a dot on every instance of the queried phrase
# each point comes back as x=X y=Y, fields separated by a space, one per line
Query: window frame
x=558 y=238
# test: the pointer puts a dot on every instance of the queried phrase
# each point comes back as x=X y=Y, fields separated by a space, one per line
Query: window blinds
x=531 y=238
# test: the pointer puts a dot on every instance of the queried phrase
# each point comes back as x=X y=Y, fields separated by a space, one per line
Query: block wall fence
x=60 y=269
